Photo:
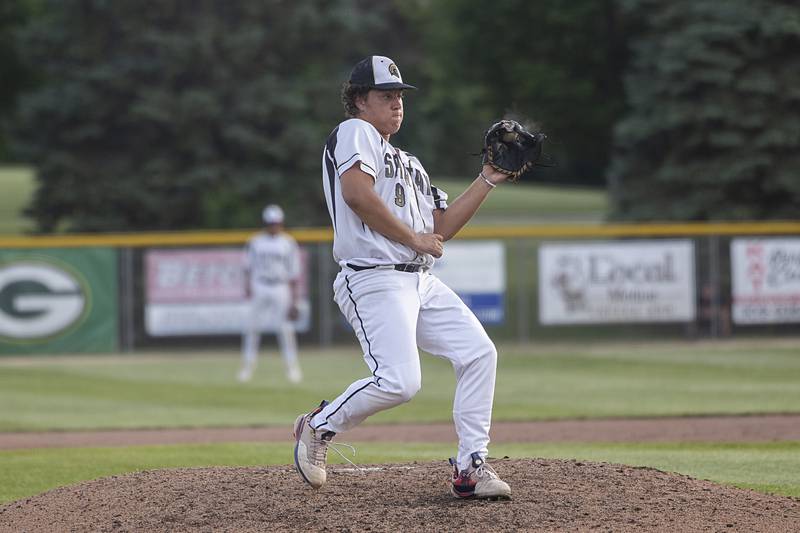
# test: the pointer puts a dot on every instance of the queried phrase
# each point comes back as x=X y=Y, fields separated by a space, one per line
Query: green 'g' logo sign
x=39 y=300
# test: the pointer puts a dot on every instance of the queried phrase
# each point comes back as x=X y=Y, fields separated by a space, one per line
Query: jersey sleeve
x=356 y=141
x=293 y=262
x=439 y=198
x=249 y=252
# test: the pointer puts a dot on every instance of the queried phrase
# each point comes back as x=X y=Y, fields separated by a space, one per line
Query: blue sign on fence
x=476 y=271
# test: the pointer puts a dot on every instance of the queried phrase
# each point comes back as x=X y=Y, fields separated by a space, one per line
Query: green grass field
x=17 y=185
x=543 y=381
x=539 y=381
x=531 y=204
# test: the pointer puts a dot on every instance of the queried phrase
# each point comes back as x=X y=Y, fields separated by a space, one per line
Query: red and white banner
x=202 y=292
x=195 y=275
x=766 y=280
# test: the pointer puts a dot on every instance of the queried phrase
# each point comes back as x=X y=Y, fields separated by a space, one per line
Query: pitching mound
x=548 y=495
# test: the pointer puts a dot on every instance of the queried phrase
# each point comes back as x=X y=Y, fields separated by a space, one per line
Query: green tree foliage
x=556 y=63
x=169 y=114
x=14 y=76
x=712 y=131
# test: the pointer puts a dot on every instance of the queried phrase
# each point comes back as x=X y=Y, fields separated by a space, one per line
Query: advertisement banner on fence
x=58 y=300
x=476 y=271
x=766 y=280
x=616 y=282
x=202 y=292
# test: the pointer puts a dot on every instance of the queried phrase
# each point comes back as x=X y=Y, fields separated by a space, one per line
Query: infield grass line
x=766 y=467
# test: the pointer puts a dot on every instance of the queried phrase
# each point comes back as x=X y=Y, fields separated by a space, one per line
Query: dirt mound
x=548 y=495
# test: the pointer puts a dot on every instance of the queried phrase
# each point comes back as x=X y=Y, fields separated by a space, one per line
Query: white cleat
x=245 y=375
x=295 y=375
x=311 y=449
x=478 y=481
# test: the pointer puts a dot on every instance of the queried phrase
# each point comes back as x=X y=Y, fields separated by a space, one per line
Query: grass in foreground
x=766 y=467
x=534 y=382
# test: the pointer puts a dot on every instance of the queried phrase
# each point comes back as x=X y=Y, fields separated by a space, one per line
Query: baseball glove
x=511 y=149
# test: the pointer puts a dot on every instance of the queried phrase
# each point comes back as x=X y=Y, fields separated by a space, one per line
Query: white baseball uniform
x=272 y=262
x=398 y=306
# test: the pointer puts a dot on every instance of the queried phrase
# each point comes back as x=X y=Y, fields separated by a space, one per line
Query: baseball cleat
x=478 y=481
x=311 y=449
x=294 y=374
x=245 y=374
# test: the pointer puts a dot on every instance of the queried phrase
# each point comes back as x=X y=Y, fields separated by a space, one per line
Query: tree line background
x=178 y=114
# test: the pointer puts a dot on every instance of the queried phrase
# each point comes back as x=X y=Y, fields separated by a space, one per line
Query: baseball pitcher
x=390 y=223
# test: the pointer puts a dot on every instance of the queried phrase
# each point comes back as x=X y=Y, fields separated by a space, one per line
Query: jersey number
x=399 y=195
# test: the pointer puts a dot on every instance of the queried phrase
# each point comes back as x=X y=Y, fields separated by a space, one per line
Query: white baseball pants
x=392 y=314
x=269 y=309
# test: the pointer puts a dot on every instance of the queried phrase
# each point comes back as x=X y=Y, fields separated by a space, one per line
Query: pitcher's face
x=383 y=109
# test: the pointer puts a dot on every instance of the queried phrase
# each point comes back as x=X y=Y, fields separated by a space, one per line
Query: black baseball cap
x=378 y=72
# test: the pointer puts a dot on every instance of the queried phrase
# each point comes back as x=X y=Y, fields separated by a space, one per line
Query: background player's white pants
x=394 y=312
x=269 y=307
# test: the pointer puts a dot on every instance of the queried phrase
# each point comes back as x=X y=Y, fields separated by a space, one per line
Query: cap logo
x=393 y=70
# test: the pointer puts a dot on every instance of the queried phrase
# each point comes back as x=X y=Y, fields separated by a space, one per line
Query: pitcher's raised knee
x=486 y=352
x=410 y=389
x=401 y=387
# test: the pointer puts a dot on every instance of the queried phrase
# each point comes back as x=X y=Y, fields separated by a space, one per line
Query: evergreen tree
x=14 y=76
x=557 y=64
x=713 y=95
x=170 y=114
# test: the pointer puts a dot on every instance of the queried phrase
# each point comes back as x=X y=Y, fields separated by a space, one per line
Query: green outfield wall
x=58 y=300
x=116 y=271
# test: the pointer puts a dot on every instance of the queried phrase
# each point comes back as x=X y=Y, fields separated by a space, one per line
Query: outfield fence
x=616 y=281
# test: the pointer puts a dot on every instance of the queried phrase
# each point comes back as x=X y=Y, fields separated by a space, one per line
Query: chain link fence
x=713 y=309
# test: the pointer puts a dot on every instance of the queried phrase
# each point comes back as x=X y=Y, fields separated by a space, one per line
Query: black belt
x=402 y=267
x=271 y=281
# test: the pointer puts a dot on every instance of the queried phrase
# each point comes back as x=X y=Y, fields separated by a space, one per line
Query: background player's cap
x=378 y=72
x=272 y=214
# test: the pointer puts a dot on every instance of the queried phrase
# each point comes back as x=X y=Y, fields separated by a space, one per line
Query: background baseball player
x=272 y=269
x=389 y=223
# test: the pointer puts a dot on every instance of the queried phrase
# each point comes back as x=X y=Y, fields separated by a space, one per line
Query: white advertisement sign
x=613 y=282
x=202 y=292
x=476 y=271
x=766 y=280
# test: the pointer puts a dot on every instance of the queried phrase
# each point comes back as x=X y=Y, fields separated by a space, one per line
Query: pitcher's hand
x=428 y=243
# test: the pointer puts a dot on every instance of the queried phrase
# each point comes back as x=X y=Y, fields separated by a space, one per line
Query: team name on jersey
x=410 y=173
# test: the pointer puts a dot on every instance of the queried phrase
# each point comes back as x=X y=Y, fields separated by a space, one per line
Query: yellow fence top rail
x=310 y=235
